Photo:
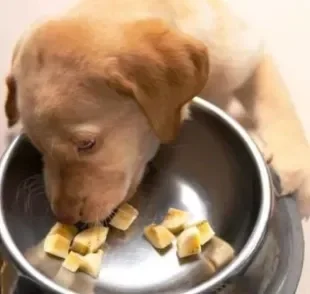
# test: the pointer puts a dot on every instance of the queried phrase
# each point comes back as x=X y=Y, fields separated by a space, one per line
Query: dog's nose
x=67 y=219
x=65 y=214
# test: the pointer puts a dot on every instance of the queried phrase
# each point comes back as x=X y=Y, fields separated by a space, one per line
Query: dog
x=100 y=87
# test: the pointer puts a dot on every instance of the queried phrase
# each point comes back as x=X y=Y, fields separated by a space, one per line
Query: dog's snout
x=85 y=192
x=67 y=219
x=66 y=212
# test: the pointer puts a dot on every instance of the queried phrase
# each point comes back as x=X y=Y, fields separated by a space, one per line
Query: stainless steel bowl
x=214 y=170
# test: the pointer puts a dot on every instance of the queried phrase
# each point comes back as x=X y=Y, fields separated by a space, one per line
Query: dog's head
x=97 y=101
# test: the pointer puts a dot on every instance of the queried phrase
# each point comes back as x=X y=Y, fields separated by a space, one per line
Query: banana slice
x=159 y=236
x=91 y=263
x=188 y=242
x=66 y=231
x=124 y=217
x=219 y=252
x=90 y=240
x=57 y=245
x=72 y=262
x=205 y=230
x=175 y=220
x=208 y=267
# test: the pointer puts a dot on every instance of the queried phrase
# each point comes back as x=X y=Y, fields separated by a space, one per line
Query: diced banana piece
x=209 y=267
x=219 y=252
x=72 y=262
x=91 y=263
x=188 y=242
x=124 y=217
x=90 y=240
x=175 y=220
x=79 y=247
x=205 y=230
x=66 y=231
x=57 y=245
x=159 y=236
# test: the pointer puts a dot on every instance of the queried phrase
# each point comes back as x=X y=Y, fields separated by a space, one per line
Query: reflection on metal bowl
x=214 y=171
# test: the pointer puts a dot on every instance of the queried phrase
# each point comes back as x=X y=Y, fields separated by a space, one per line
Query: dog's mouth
x=96 y=204
x=90 y=210
x=84 y=211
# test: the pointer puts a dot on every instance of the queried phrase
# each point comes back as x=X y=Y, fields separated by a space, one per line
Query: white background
x=286 y=26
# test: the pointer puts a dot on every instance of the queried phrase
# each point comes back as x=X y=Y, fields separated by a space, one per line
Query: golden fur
x=121 y=73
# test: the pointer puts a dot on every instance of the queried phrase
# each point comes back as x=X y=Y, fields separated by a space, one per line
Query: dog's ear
x=10 y=106
x=11 y=111
x=162 y=69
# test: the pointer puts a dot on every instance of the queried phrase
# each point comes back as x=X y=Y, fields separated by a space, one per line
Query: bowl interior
x=209 y=172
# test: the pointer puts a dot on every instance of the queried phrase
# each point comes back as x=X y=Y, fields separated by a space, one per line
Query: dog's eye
x=86 y=145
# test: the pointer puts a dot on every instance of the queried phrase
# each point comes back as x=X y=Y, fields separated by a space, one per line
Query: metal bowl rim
x=234 y=268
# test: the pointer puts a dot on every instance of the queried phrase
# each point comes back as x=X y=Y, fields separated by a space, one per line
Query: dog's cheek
x=136 y=181
x=108 y=190
x=46 y=183
x=51 y=178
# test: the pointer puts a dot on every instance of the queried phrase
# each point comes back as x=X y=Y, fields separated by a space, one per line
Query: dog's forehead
x=74 y=41
x=54 y=71
x=69 y=102
x=55 y=37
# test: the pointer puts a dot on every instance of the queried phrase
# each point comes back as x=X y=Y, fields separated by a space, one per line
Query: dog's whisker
x=52 y=147
x=30 y=189
x=34 y=190
x=32 y=185
x=27 y=204
x=37 y=178
x=97 y=222
x=20 y=188
x=123 y=211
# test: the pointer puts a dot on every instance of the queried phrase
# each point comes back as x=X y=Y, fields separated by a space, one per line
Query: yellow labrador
x=99 y=88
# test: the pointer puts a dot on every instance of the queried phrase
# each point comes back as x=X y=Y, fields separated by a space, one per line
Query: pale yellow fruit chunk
x=159 y=236
x=91 y=263
x=72 y=262
x=66 y=231
x=124 y=217
x=205 y=230
x=175 y=220
x=219 y=252
x=57 y=245
x=79 y=247
x=90 y=240
x=209 y=267
x=188 y=242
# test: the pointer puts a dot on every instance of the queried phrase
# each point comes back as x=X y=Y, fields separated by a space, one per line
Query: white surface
x=286 y=25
